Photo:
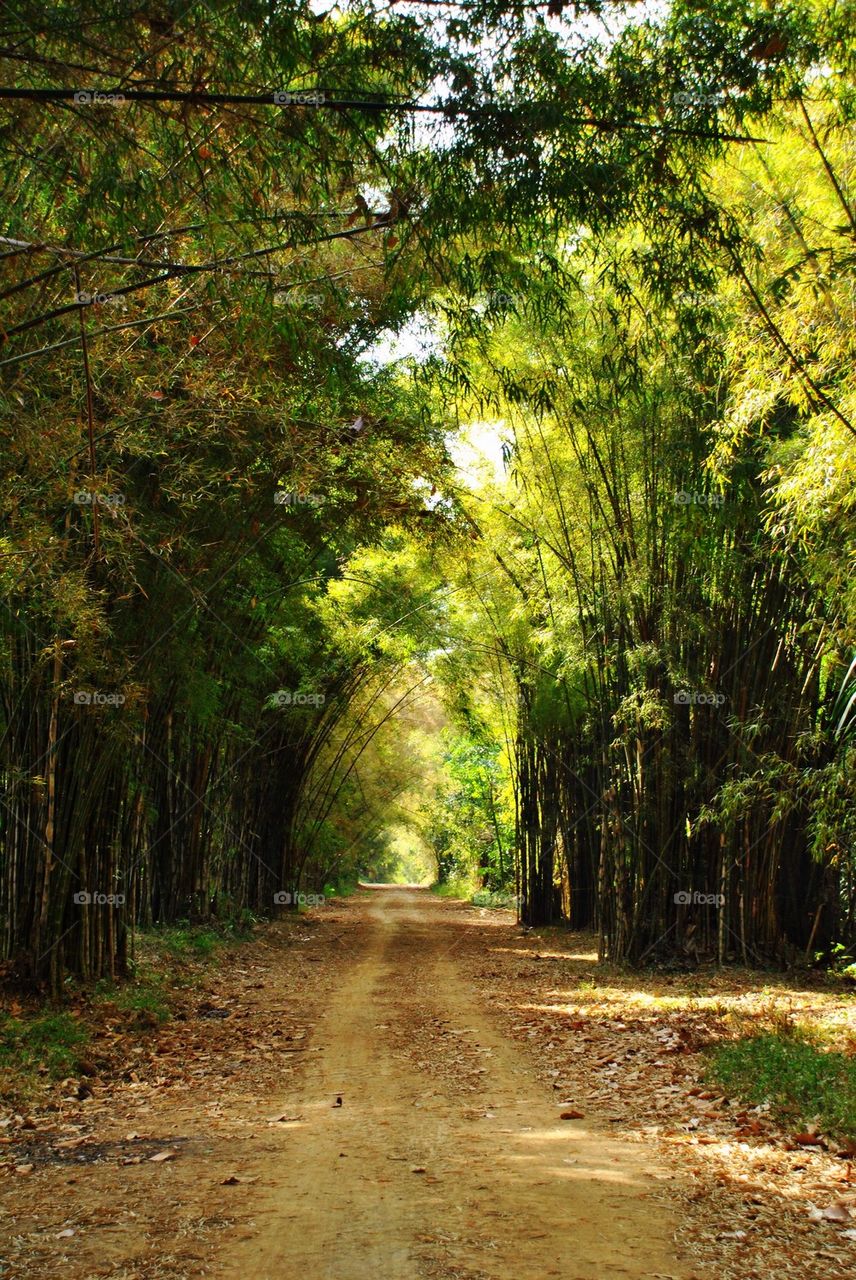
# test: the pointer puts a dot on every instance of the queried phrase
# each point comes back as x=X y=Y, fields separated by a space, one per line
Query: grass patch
x=143 y=999
x=467 y=888
x=184 y=941
x=170 y=961
x=54 y=1041
x=492 y=898
x=340 y=889
x=454 y=888
x=803 y=1083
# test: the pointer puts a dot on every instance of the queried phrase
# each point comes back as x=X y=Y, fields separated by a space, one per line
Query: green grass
x=143 y=999
x=491 y=898
x=170 y=961
x=467 y=888
x=52 y=1040
x=803 y=1083
x=340 y=889
x=454 y=888
x=196 y=942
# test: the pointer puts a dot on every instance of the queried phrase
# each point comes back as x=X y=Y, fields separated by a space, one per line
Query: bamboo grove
x=237 y=546
x=674 y=590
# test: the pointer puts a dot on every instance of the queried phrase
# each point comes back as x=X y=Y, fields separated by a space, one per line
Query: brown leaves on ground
x=116 y=1169
x=629 y=1047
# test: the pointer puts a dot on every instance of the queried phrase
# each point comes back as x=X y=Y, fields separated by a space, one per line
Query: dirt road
x=447 y=1157
x=210 y=1144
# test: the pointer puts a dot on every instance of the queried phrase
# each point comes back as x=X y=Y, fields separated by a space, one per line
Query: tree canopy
x=273 y=275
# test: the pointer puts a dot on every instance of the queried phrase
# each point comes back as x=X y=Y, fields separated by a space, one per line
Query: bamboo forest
x=428 y=639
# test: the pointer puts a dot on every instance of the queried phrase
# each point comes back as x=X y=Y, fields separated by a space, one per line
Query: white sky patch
x=415 y=340
x=477 y=451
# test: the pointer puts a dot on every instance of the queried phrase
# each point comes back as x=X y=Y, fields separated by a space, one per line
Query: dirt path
x=210 y=1145
x=453 y=1164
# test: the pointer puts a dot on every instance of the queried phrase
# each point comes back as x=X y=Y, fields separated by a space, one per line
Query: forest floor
x=402 y=1087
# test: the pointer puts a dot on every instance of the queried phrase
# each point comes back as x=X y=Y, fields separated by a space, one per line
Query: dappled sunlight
x=634 y=1050
x=576 y=1162
x=584 y=957
x=428 y=692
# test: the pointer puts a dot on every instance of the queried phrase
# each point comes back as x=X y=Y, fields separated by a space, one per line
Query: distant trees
x=468 y=821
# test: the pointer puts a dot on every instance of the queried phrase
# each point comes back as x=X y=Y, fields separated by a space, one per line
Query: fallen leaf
x=836 y=1212
x=163 y=1155
x=571 y=1115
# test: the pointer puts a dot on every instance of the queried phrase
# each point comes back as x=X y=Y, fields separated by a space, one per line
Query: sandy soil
x=219 y=1147
x=458 y=1165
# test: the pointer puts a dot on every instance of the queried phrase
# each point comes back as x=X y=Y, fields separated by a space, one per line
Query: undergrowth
x=804 y=1084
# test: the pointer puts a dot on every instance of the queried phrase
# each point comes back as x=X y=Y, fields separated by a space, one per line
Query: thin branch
x=186 y=269
x=782 y=342
x=833 y=177
x=97 y=333
x=90 y=416
x=323 y=103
